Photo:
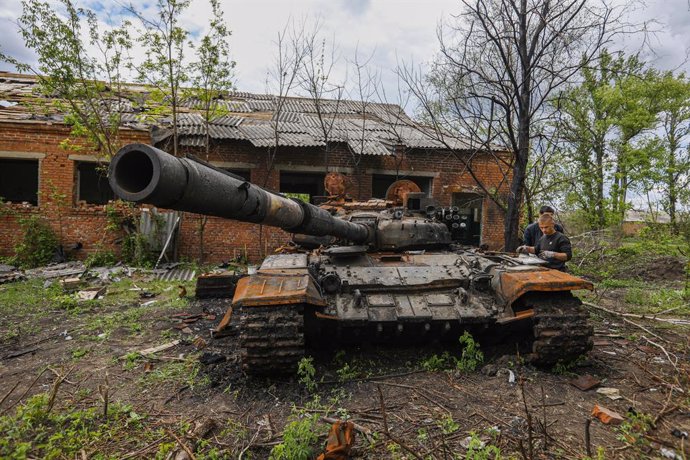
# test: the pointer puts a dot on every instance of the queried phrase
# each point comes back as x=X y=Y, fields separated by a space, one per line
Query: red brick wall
x=224 y=239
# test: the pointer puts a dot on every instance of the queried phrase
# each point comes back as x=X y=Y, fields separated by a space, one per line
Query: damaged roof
x=261 y=119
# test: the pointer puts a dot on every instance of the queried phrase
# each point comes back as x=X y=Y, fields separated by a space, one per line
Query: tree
x=164 y=43
x=315 y=78
x=501 y=61
x=672 y=166
x=606 y=121
x=212 y=76
x=84 y=72
x=588 y=124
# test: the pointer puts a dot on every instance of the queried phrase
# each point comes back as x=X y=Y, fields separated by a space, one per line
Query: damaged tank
x=378 y=271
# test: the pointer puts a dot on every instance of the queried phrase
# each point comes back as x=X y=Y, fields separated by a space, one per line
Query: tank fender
x=265 y=289
x=514 y=285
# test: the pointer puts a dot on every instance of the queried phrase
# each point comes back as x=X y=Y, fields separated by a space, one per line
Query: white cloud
x=388 y=29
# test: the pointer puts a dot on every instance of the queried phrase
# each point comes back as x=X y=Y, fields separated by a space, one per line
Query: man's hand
x=547 y=255
x=523 y=250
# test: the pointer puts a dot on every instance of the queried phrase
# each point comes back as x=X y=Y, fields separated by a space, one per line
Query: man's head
x=546 y=224
x=546 y=209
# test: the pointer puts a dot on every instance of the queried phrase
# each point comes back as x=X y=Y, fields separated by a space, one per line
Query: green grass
x=36 y=431
x=176 y=373
x=650 y=301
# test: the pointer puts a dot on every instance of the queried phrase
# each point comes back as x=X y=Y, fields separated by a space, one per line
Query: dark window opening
x=304 y=186
x=243 y=173
x=19 y=181
x=470 y=209
x=94 y=187
x=381 y=182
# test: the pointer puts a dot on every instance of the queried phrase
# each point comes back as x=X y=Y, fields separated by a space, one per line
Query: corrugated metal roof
x=368 y=147
x=375 y=126
x=227 y=120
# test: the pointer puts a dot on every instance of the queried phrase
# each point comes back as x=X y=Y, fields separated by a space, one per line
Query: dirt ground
x=191 y=400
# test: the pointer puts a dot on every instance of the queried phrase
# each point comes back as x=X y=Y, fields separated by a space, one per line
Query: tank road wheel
x=271 y=339
x=561 y=331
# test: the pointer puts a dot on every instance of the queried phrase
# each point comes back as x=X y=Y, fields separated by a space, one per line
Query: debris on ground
x=613 y=394
x=217 y=285
x=606 y=416
x=91 y=293
x=339 y=443
x=199 y=343
x=585 y=382
x=71 y=284
x=679 y=434
x=152 y=350
x=670 y=454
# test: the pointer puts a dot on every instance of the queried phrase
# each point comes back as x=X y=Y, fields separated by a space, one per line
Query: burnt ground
x=192 y=400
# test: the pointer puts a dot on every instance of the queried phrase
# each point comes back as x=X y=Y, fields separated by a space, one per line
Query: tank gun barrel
x=145 y=174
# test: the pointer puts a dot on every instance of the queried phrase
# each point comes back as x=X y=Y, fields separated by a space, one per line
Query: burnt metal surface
x=217 y=285
x=561 y=330
x=396 y=273
x=272 y=339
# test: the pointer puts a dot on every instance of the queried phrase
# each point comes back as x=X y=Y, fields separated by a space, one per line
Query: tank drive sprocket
x=271 y=339
x=561 y=330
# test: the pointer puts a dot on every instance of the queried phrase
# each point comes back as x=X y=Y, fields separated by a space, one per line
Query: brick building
x=287 y=150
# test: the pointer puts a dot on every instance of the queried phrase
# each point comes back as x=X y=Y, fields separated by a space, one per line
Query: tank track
x=561 y=330
x=271 y=339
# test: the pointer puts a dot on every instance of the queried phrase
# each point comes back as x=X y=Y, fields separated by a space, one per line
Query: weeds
x=34 y=431
x=306 y=372
x=478 y=450
x=633 y=430
x=299 y=437
x=471 y=357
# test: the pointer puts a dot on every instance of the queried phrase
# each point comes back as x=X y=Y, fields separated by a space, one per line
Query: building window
x=381 y=182
x=19 y=180
x=469 y=207
x=304 y=186
x=93 y=186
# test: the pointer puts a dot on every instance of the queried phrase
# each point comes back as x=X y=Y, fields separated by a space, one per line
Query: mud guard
x=516 y=284
x=262 y=290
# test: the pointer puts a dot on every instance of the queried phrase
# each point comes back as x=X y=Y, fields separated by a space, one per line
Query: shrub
x=38 y=244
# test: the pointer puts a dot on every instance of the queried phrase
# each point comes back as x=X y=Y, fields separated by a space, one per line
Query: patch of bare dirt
x=383 y=390
x=665 y=268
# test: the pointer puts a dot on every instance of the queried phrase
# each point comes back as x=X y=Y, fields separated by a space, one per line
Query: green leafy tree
x=588 y=124
x=672 y=164
x=606 y=122
x=81 y=65
x=164 y=42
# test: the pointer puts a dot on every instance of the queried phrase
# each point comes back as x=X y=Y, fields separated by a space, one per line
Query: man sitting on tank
x=532 y=232
x=554 y=247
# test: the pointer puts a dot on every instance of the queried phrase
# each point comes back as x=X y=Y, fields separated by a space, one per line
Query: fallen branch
x=17 y=354
x=668 y=356
x=385 y=428
x=623 y=317
x=26 y=391
x=182 y=444
x=7 y=395
x=676 y=321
